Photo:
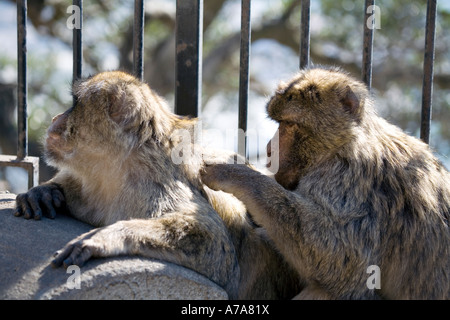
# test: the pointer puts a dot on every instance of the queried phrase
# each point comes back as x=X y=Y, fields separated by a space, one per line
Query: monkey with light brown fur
x=114 y=150
x=351 y=191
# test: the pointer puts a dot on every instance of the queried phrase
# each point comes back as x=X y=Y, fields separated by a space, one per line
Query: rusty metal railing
x=138 y=39
x=428 y=63
x=305 y=34
x=77 y=45
x=188 y=66
x=22 y=160
x=366 y=70
x=244 y=75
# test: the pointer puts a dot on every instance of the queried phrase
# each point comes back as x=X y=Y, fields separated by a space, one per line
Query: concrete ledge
x=26 y=249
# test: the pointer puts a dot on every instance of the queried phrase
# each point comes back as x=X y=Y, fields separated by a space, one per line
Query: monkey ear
x=350 y=101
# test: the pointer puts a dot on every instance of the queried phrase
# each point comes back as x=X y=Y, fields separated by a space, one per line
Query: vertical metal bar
x=31 y=164
x=188 y=65
x=138 y=39
x=244 y=74
x=22 y=144
x=33 y=171
x=305 y=34
x=427 y=87
x=77 y=45
x=367 y=44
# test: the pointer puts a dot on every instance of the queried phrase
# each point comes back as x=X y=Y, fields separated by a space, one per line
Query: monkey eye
x=289 y=98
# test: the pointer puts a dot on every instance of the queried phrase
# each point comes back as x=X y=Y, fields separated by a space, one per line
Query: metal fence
x=188 y=65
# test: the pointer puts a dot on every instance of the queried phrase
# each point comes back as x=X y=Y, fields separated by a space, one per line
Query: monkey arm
x=123 y=237
x=176 y=237
x=270 y=205
x=294 y=223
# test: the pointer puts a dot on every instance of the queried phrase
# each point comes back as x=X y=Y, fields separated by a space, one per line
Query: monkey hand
x=227 y=177
x=96 y=243
x=38 y=201
x=260 y=194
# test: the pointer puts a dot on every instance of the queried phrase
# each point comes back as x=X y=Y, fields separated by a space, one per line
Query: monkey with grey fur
x=351 y=191
x=115 y=154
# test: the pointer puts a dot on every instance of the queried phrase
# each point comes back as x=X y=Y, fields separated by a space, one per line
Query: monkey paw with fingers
x=225 y=176
x=78 y=251
x=44 y=200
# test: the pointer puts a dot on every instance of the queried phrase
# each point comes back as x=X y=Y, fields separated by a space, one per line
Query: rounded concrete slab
x=27 y=247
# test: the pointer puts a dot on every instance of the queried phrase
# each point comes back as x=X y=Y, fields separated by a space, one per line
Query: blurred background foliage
x=336 y=39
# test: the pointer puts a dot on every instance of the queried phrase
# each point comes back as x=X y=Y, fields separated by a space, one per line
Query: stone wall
x=27 y=247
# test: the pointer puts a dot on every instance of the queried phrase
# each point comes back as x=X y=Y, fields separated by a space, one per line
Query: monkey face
x=58 y=143
x=317 y=111
x=318 y=99
x=284 y=144
x=68 y=138
x=114 y=114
